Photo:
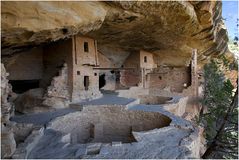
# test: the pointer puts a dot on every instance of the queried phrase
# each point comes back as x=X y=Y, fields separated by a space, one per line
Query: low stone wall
x=150 y=99
x=108 y=124
x=133 y=92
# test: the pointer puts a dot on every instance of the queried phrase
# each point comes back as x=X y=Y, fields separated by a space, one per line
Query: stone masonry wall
x=108 y=123
x=57 y=94
x=174 y=79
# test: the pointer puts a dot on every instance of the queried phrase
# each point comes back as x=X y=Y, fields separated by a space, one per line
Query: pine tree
x=221 y=118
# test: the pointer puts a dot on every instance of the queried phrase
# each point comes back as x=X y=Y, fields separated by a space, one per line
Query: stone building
x=63 y=68
x=146 y=73
x=84 y=81
x=141 y=63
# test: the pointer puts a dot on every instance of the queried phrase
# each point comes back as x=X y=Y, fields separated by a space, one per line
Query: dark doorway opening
x=190 y=74
x=20 y=86
x=86 y=82
x=86 y=47
x=102 y=81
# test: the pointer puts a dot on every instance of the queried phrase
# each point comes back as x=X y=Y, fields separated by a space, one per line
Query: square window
x=78 y=72
x=95 y=74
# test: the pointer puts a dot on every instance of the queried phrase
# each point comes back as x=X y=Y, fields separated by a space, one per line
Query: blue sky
x=230 y=13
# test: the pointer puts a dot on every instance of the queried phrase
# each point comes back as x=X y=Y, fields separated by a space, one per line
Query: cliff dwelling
x=104 y=79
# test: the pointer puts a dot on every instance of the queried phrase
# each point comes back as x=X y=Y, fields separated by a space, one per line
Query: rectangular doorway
x=86 y=82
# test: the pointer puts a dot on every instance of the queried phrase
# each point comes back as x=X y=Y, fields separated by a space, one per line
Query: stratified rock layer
x=169 y=29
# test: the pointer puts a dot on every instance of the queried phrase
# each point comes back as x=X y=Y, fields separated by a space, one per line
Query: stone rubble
x=57 y=95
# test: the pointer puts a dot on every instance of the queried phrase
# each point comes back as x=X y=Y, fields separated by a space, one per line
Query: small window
x=145 y=59
x=86 y=47
x=78 y=72
x=95 y=74
x=160 y=77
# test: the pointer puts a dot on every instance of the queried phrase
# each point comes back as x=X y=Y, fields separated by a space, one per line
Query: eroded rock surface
x=30 y=101
x=169 y=29
x=8 y=144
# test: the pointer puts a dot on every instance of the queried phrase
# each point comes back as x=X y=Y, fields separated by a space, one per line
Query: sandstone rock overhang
x=169 y=29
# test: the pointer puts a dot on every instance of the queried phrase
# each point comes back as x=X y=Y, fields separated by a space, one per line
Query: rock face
x=169 y=29
x=30 y=101
x=8 y=144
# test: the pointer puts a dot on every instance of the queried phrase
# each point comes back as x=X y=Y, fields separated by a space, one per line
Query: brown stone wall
x=25 y=65
x=175 y=79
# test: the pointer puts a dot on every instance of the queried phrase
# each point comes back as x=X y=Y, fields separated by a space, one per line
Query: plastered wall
x=147 y=60
x=82 y=65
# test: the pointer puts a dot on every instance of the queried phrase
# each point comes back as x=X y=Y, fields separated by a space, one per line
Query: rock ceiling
x=169 y=29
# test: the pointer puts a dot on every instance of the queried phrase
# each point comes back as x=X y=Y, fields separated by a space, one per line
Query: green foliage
x=218 y=96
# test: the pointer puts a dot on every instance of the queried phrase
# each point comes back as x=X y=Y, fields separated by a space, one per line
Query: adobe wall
x=174 y=78
x=26 y=65
x=79 y=92
x=150 y=60
x=81 y=57
x=83 y=63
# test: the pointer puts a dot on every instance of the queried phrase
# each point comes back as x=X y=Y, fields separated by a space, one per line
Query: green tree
x=220 y=116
